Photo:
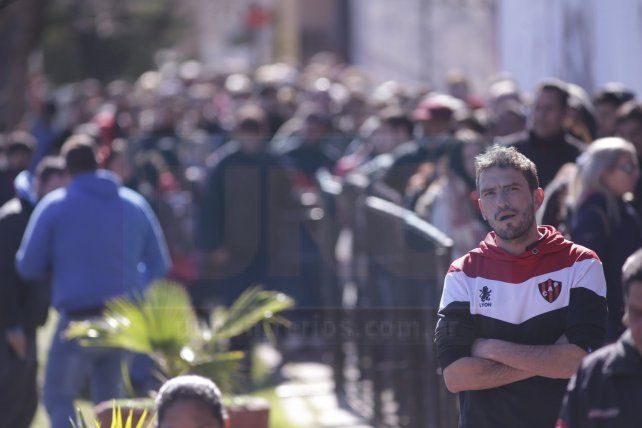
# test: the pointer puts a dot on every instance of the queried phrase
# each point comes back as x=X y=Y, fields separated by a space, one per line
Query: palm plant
x=117 y=420
x=162 y=324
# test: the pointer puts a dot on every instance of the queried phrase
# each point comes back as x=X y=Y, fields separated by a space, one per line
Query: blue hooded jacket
x=96 y=239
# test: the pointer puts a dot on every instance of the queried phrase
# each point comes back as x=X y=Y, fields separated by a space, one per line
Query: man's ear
x=625 y=318
x=538 y=198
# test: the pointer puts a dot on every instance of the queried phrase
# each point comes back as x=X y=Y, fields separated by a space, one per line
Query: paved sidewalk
x=308 y=398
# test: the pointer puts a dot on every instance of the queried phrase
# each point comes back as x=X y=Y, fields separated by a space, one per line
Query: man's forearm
x=470 y=373
x=559 y=361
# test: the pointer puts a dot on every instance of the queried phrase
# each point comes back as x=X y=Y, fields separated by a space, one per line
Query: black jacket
x=607 y=389
x=22 y=304
x=613 y=242
x=548 y=154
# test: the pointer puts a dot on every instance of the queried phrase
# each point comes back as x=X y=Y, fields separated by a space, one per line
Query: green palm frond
x=162 y=324
x=223 y=368
x=160 y=320
x=254 y=306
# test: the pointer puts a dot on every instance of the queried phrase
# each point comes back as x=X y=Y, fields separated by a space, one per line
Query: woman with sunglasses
x=602 y=219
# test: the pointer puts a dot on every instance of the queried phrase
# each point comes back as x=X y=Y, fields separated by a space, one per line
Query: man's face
x=548 y=114
x=633 y=313
x=605 y=114
x=188 y=414
x=507 y=203
x=631 y=130
x=19 y=160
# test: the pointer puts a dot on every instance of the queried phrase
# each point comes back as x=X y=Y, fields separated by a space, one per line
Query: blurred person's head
x=606 y=101
x=476 y=121
x=115 y=159
x=632 y=290
x=629 y=124
x=462 y=156
x=316 y=126
x=510 y=119
x=79 y=153
x=251 y=129
x=580 y=118
x=502 y=90
x=395 y=128
x=550 y=109
x=239 y=87
x=609 y=166
x=458 y=85
x=434 y=115
x=20 y=147
x=50 y=175
x=190 y=402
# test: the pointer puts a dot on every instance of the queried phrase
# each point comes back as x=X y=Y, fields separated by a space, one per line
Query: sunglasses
x=628 y=168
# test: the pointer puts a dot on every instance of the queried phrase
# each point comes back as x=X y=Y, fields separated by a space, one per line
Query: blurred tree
x=19 y=32
x=104 y=39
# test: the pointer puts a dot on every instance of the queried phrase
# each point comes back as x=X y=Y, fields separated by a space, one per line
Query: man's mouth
x=506 y=216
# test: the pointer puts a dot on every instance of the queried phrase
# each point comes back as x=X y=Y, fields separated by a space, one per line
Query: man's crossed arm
x=496 y=363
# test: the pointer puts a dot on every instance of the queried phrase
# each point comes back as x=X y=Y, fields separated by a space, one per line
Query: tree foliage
x=106 y=39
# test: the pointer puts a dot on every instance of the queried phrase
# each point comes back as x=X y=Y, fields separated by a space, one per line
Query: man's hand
x=18 y=342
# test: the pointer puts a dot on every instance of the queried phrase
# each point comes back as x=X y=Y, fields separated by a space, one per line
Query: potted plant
x=162 y=324
x=117 y=420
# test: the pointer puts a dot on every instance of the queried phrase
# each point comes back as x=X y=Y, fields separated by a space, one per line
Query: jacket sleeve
x=34 y=257
x=10 y=310
x=587 y=315
x=455 y=332
x=573 y=413
x=590 y=228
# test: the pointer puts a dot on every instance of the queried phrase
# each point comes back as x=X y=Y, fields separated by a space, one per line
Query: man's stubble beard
x=527 y=218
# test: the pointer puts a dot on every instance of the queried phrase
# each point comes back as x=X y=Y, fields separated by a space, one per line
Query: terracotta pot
x=249 y=413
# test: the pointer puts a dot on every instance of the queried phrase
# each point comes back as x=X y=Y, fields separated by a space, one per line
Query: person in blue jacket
x=97 y=240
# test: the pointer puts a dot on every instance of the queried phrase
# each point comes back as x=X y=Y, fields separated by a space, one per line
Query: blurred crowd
x=228 y=162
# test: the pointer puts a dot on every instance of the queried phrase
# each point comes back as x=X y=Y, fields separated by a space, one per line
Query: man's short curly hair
x=506 y=157
x=190 y=387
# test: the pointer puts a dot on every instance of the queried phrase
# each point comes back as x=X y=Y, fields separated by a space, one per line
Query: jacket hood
x=102 y=183
x=23 y=185
x=550 y=241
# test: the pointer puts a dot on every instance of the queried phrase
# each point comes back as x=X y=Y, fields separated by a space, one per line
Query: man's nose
x=502 y=200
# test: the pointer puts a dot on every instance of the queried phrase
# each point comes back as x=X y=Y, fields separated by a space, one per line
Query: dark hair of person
x=630 y=110
x=615 y=96
x=556 y=86
x=631 y=272
x=251 y=119
x=79 y=153
x=48 y=167
x=396 y=118
x=506 y=157
x=20 y=142
x=456 y=159
x=190 y=387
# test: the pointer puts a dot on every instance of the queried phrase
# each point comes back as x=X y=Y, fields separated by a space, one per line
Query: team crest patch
x=550 y=290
